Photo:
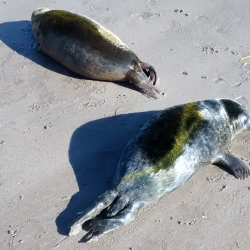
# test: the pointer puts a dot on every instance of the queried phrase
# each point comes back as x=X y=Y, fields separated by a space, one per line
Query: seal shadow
x=18 y=36
x=94 y=152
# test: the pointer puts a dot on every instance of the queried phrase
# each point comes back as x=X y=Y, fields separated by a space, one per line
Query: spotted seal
x=165 y=153
x=89 y=49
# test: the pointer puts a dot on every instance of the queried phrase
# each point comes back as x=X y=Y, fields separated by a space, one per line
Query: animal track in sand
x=13 y=232
x=146 y=14
x=219 y=81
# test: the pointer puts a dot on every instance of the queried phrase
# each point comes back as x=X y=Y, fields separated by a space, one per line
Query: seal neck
x=241 y=124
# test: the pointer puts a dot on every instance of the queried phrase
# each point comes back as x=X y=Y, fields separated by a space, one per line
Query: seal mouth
x=150 y=72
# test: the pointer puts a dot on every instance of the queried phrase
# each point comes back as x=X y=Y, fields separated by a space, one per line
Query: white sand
x=61 y=136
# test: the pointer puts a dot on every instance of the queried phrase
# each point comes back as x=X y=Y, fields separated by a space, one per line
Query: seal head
x=238 y=116
x=35 y=17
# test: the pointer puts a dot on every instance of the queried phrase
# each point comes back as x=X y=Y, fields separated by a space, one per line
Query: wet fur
x=89 y=49
x=166 y=152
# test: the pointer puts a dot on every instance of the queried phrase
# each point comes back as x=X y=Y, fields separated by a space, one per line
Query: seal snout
x=38 y=12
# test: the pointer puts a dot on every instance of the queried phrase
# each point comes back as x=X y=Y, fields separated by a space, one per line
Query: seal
x=89 y=49
x=165 y=153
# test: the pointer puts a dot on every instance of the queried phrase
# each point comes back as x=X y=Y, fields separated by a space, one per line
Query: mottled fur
x=89 y=49
x=166 y=152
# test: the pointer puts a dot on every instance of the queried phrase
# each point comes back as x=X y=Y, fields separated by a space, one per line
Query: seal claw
x=239 y=169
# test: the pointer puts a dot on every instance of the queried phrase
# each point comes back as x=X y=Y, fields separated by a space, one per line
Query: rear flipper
x=144 y=80
x=101 y=227
x=118 y=205
x=103 y=202
x=239 y=169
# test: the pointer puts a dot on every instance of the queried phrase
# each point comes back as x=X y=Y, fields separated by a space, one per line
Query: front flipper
x=103 y=202
x=239 y=169
x=36 y=46
x=102 y=227
x=143 y=82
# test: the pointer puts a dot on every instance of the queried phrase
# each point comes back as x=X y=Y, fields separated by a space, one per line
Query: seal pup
x=89 y=49
x=165 y=153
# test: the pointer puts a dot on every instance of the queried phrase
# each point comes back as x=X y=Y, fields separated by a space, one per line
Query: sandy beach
x=61 y=135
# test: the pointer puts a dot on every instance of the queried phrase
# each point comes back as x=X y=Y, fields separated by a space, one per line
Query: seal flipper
x=101 y=227
x=36 y=46
x=149 y=71
x=102 y=202
x=239 y=169
x=118 y=205
x=143 y=83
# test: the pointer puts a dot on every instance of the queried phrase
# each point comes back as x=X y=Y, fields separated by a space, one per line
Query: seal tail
x=92 y=211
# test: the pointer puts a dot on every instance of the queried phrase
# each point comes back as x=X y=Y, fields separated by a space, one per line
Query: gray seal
x=165 y=153
x=89 y=49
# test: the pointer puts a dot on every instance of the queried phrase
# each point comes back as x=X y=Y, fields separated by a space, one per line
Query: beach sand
x=61 y=136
